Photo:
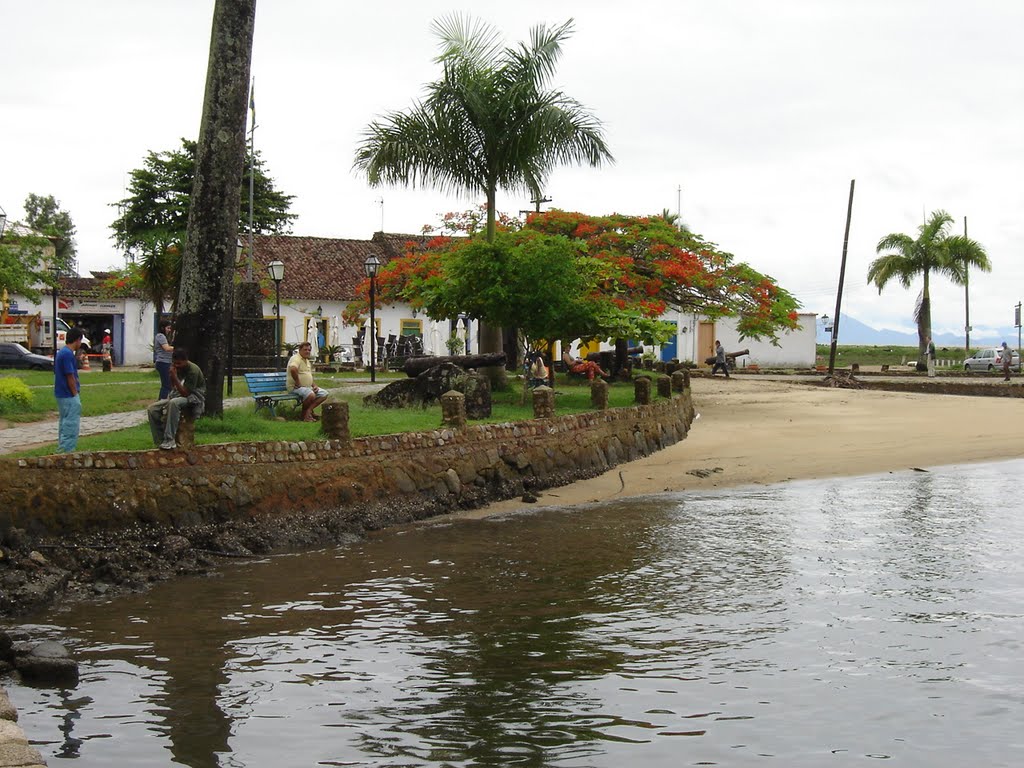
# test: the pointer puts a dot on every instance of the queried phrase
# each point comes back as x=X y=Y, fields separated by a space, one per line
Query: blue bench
x=269 y=389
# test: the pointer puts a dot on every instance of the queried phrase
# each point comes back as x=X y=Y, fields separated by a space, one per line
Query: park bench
x=269 y=389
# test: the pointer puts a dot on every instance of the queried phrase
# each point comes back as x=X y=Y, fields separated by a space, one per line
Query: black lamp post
x=276 y=269
x=371 y=265
x=55 y=271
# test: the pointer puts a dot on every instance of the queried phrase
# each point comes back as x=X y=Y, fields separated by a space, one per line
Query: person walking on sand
x=720 y=361
x=65 y=389
x=931 y=358
x=1007 y=356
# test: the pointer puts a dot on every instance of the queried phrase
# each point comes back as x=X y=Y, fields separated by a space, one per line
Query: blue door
x=669 y=349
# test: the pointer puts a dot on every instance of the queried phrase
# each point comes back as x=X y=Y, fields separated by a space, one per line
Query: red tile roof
x=323 y=268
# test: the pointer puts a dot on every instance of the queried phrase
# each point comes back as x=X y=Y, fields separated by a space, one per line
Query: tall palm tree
x=490 y=122
x=934 y=250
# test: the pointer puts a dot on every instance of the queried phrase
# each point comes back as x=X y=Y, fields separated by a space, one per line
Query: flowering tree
x=568 y=275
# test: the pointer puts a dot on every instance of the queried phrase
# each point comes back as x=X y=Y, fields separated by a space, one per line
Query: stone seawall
x=14 y=746
x=373 y=481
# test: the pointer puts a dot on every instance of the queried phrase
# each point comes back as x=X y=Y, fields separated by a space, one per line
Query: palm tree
x=934 y=250
x=491 y=121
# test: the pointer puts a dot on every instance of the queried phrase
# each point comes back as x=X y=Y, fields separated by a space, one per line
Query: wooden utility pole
x=207 y=278
x=967 y=303
x=839 y=293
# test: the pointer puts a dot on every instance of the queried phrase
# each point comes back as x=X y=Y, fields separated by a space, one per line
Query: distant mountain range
x=853 y=331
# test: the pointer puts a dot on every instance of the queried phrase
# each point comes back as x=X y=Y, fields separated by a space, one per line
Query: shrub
x=15 y=396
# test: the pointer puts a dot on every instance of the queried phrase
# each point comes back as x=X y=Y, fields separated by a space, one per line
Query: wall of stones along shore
x=14 y=747
x=376 y=481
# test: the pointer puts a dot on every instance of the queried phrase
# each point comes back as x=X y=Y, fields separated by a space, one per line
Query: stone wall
x=375 y=481
x=14 y=747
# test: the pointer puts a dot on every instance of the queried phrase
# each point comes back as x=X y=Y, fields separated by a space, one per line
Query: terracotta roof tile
x=324 y=268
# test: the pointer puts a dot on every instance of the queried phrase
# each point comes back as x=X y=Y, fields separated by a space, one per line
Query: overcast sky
x=762 y=112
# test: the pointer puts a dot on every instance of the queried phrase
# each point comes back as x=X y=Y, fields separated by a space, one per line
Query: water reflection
x=808 y=622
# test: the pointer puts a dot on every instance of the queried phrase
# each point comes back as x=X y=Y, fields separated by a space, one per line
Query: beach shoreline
x=761 y=431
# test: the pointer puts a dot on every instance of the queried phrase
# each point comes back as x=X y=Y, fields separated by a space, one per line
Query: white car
x=990 y=359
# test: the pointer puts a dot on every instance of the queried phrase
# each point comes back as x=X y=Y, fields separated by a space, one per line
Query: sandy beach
x=756 y=431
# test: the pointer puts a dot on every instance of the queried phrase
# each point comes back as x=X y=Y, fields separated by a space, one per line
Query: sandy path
x=760 y=431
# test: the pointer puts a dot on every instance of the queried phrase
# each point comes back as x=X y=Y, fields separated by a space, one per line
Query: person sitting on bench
x=581 y=367
x=300 y=382
x=537 y=374
x=188 y=389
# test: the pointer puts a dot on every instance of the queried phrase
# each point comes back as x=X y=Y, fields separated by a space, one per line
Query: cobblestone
x=19 y=437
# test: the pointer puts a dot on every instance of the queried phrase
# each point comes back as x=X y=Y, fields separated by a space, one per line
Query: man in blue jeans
x=66 y=389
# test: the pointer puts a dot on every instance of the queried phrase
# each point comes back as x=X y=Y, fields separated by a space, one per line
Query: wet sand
x=754 y=431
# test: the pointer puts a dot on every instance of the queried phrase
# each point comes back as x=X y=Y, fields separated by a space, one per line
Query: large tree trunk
x=490 y=337
x=207 y=279
x=924 y=325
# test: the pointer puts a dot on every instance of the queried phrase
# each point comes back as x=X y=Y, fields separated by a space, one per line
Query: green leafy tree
x=154 y=216
x=568 y=275
x=492 y=121
x=43 y=214
x=24 y=259
x=934 y=250
x=151 y=227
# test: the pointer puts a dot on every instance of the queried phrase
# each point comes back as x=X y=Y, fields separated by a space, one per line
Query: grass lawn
x=241 y=424
x=847 y=354
x=111 y=392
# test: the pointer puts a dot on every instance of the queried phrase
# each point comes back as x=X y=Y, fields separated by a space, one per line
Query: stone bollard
x=544 y=402
x=659 y=366
x=186 y=437
x=478 y=396
x=855 y=368
x=680 y=380
x=599 y=395
x=642 y=390
x=664 y=386
x=108 y=364
x=453 y=409
x=334 y=420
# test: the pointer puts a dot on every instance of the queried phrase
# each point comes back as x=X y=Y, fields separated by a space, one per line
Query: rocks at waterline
x=44 y=663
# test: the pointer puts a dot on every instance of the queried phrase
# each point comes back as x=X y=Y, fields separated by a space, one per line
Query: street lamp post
x=276 y=269
x=371 y=265
x=55 y=271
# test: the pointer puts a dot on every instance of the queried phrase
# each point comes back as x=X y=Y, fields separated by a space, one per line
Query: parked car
x=13 y=355
x=990 y=359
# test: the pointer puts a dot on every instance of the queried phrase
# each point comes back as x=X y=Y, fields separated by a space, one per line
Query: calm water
x=809 y=624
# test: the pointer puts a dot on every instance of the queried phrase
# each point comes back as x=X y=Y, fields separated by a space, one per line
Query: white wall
x=796 y=348
x=295 y=319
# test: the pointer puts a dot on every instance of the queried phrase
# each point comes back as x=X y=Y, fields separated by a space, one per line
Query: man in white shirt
x=300 y=381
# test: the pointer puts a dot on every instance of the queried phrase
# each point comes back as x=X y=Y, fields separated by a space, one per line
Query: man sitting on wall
x=188 y=389
x=300 y=382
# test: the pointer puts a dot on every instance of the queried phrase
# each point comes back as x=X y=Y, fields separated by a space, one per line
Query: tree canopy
x=151 y=227
x=23 y=263
x=933 y=250
x=569 y=275
x=44 y=214
x=45 y=239
x=154 y=215
x=490 y=122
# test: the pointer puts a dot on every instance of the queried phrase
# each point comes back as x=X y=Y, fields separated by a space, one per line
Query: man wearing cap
x=107 y=345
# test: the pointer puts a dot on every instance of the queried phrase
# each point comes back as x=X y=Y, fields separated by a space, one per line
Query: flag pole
x=252 y=174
